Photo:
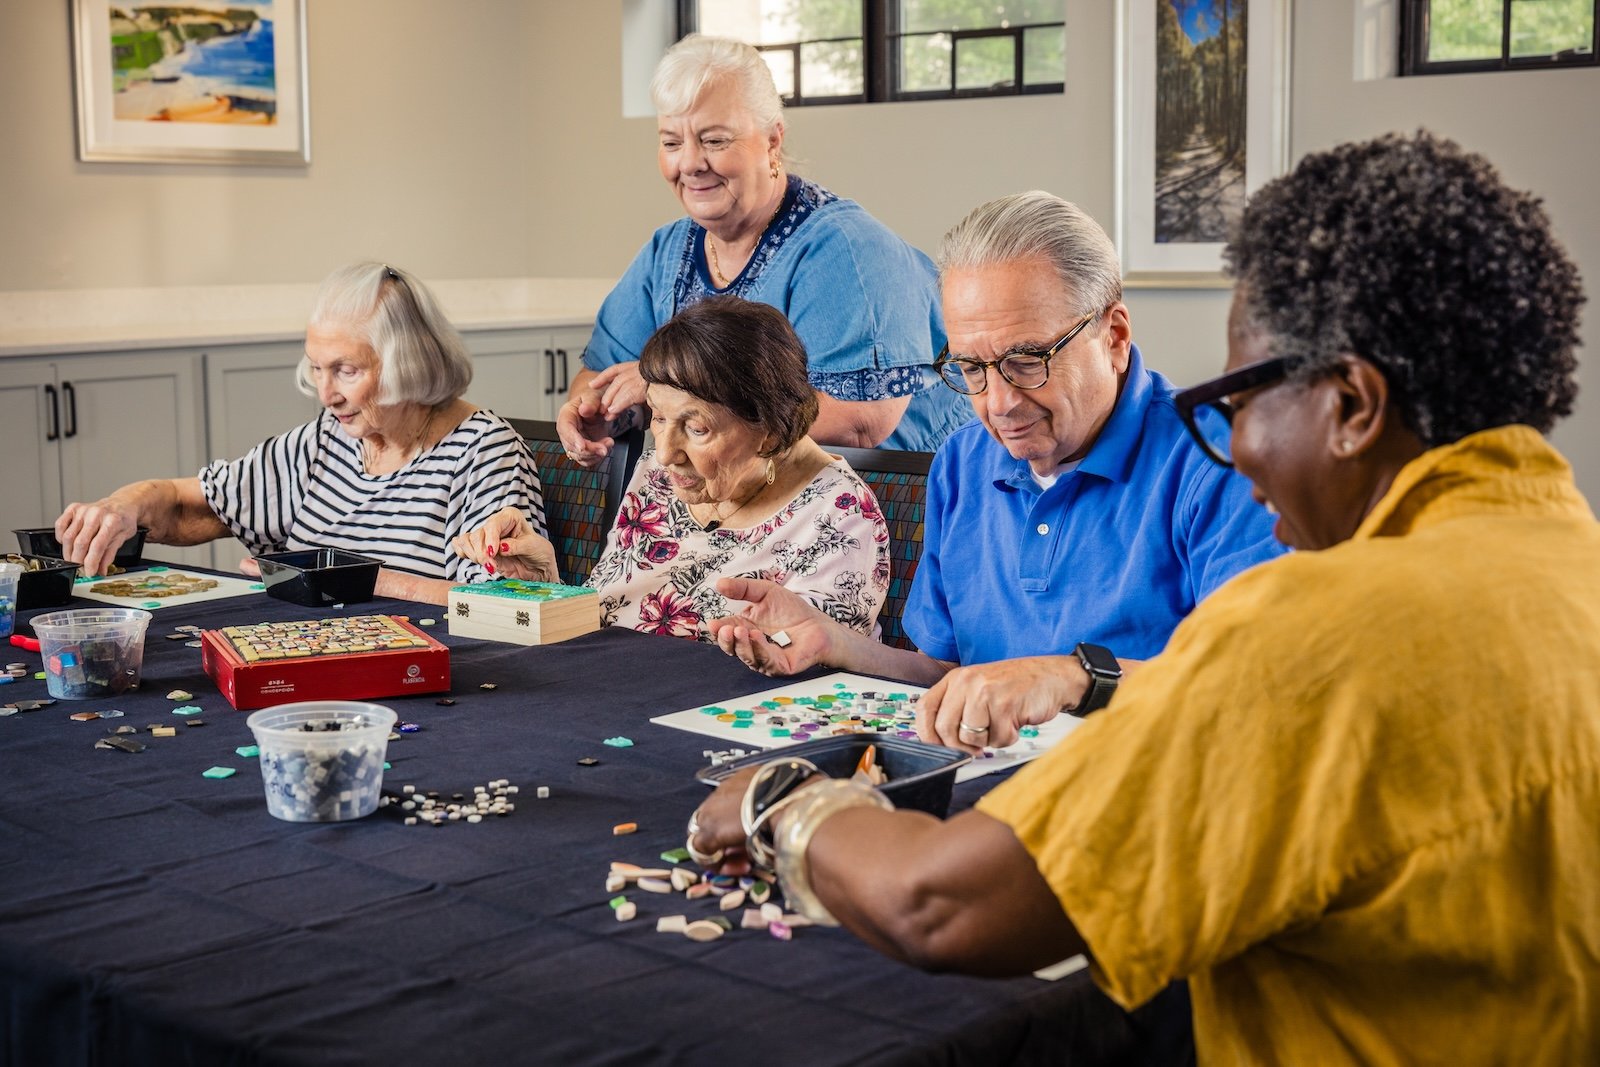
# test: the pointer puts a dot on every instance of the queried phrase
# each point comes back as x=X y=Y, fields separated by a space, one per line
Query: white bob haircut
x=1039 y=225
x=698 y=60
x=421 y=357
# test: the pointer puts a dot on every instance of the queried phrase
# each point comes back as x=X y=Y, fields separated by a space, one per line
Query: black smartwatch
x=1104 y=673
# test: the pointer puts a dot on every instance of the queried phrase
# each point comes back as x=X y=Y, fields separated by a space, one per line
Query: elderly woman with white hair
x=864 y=303
x=396 y=465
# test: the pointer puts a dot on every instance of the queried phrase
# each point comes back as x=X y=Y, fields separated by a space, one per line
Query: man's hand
x=507 y=546
x=984 y=706
x=771 y=609
x=90 y=534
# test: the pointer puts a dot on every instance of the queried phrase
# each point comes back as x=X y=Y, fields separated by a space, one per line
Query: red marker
x=29 y=643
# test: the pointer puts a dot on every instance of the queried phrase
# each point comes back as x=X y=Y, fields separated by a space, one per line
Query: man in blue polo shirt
x=1069 y=529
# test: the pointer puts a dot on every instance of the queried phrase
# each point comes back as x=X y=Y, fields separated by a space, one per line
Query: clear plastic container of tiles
x=322 y=760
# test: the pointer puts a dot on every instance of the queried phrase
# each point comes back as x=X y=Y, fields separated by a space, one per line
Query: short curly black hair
x=1413 y=254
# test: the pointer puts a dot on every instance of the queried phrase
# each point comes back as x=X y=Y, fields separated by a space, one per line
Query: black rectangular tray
x=921 y=776
x=317 y=577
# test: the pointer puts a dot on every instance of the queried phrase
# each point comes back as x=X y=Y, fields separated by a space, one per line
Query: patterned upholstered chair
x=900 y=482
x=579 y=505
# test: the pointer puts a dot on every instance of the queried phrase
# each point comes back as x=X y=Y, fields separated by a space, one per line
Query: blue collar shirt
x=1116 y=552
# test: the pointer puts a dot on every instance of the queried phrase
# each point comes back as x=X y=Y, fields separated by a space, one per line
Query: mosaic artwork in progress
x=321 y=637
x=845 y=703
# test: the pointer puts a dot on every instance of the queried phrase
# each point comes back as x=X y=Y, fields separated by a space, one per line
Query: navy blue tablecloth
x=149 y=914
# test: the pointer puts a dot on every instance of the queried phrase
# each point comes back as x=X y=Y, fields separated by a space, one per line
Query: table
x=152 y=915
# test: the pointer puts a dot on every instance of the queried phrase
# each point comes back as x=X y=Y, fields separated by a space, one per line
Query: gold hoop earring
x=775 y=168
x=772 y=471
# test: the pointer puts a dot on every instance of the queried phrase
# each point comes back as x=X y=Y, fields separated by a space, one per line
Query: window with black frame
x=868 y=51
x=1460 y=36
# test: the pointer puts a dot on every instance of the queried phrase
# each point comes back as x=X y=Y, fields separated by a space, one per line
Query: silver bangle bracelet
x=811 y=808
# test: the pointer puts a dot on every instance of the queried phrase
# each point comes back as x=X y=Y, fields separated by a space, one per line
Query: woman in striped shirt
x=396 y=465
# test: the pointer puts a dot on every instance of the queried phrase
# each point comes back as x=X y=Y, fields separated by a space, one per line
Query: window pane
x=832 y=68
x=922 y=15
x=781 y=62
x=1044 y=56
x=985 y=62
x=780 y=21
x=1549 y=27
x=925 y=63
x=1464 y=29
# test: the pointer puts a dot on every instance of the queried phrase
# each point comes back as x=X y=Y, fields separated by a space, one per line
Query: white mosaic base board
x=227 y=586
x=753 y=737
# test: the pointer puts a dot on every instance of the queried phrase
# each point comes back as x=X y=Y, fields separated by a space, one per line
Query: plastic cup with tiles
x=322 y=760
x=10 y=575
x=91 y=652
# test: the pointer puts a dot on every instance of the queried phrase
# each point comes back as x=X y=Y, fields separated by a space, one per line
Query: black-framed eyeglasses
x=1207 y=409
x=1025 y=370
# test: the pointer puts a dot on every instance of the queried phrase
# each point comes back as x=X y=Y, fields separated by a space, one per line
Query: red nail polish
x=504 y=547
x=490 y=567
x=489 y=551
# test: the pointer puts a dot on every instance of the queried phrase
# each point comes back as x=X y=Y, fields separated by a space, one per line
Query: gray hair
x=698 y=60
x=1039 y=225
x=421 y=357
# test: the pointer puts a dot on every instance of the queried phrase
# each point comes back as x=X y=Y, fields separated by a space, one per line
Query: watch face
x=1098 y=659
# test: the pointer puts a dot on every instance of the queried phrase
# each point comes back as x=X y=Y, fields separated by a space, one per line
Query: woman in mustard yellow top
x=1356 y=802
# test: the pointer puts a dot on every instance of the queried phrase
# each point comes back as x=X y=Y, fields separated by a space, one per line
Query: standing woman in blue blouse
x=864 y=303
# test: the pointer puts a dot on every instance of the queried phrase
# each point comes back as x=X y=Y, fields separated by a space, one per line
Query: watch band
x=1104 y=674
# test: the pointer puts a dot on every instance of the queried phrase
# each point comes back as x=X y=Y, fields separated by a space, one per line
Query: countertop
x=49 y=322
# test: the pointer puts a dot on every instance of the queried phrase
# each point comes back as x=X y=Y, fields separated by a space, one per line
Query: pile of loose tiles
x=431 y=808
x=730 y=894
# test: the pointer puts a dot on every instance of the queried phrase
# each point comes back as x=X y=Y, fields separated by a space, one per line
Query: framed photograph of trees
x=1203 y=120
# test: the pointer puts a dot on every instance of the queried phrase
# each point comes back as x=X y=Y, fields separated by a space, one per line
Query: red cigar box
x=359 y=657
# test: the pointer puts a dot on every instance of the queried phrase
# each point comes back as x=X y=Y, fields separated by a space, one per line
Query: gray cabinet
x=78 y=427
x=523 y=374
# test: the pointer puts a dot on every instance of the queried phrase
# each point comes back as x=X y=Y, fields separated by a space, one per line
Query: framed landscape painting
x=1203 y=120
x=198 y=82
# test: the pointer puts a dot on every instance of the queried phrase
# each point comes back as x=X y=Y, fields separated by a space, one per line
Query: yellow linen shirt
x=1357 y=800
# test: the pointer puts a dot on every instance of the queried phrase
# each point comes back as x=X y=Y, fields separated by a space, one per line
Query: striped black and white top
x=306 y=489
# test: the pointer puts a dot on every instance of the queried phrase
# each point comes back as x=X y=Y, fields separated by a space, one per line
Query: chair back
x=900 y=482
x=579 y=505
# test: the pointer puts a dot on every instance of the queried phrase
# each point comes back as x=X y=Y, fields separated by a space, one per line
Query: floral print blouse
x=658 y=573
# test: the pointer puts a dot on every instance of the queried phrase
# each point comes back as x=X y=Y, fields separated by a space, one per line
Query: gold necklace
x=723 y=281
x=717 y=521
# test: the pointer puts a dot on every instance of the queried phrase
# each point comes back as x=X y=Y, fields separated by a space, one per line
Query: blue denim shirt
x=864 y=303
x=1116 y=552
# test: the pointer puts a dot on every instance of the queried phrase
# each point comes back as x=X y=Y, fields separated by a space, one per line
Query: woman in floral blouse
x=732 y=488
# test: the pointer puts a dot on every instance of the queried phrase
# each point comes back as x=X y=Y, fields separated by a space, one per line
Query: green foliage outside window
x=832 y=42
x=1467 y=30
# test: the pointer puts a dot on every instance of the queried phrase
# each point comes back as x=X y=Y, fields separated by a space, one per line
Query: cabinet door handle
x=550 y=371
x=72 y=409
x=54 y=433
x=561 y=383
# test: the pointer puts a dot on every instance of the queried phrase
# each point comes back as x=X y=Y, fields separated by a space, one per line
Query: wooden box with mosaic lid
x=523 y=613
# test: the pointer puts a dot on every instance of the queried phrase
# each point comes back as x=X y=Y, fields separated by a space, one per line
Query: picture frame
x=208 y=83
x=1188 y=151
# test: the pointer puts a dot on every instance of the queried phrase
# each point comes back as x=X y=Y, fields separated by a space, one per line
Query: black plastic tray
x=316 y=577
x=921 y=776
x=44 y=544
x=48 y=587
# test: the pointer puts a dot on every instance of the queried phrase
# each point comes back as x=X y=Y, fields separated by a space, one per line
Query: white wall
x=921 y=166
x=485 y=138
x=420 y=154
